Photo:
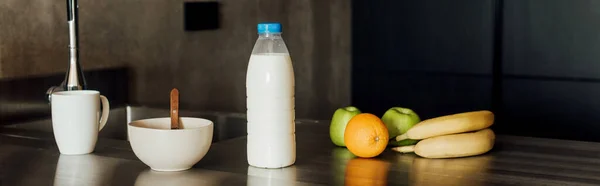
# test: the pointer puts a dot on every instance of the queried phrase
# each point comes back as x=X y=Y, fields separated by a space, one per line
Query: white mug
x=76 y=120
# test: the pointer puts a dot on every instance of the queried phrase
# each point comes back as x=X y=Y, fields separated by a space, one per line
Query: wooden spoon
x=175 y=109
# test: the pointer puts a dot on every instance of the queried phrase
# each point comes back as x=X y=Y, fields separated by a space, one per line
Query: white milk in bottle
x=270 y=101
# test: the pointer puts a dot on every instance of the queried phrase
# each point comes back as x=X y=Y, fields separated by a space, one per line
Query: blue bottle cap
x=269 y=27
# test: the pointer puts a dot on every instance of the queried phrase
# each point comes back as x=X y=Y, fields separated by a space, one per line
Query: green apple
x=338 y=124
x=398 y=120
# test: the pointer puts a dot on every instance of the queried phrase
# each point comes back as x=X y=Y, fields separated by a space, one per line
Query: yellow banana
x=453 y=145
x=450 y=124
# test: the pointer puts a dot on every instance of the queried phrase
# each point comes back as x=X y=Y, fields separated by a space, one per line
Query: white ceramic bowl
x=163 y=149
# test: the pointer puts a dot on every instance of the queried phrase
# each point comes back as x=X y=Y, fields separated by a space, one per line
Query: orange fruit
x=366 y=135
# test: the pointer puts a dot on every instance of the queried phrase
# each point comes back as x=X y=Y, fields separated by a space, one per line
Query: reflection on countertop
x=271 y=177
x=190 y=177
x=94 y=170
x=24 y=165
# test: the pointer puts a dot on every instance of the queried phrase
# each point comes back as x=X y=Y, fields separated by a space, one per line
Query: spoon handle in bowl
x=175 y=109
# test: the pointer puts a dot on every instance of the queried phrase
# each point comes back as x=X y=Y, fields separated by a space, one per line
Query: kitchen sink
x=226 y=125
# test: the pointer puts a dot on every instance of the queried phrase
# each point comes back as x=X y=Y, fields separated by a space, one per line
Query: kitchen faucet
x=74 y=79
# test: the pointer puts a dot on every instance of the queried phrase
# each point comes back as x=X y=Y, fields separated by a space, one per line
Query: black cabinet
x=554 y=109
x=551 y=68
x=553 y=38
x=434 y=56
x=438 y=58
x=428 y=95
x=432 y=36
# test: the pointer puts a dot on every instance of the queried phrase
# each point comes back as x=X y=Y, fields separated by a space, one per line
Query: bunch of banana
x=457 y=135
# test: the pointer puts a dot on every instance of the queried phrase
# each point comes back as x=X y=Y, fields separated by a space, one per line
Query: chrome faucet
x=74 y=79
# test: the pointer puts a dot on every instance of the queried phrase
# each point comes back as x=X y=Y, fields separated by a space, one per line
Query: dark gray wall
x=438 y=57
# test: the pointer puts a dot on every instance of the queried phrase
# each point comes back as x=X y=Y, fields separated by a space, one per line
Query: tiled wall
x=208 y=67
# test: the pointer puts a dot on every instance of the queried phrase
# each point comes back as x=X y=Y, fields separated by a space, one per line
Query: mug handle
x=105 y=111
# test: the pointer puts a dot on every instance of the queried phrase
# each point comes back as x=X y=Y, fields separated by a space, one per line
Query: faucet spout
x=74 y=79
